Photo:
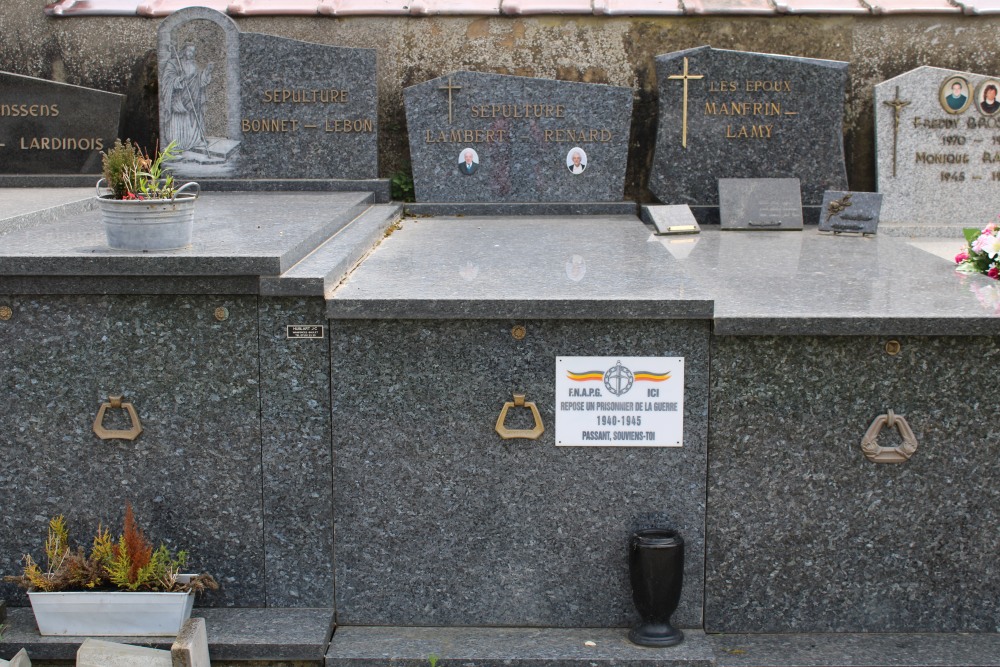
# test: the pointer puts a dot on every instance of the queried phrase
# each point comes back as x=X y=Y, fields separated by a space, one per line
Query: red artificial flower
x=994 y=273
x=961 y=257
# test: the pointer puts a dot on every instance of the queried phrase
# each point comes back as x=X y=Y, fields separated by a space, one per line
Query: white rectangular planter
x=111 y=614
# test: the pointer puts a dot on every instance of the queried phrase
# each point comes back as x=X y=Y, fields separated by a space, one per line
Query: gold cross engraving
x=685 y=77
x=897 y=106
x=450 y=87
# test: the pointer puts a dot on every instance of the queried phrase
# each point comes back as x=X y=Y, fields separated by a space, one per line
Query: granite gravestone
x=478 y=137
x=850 y=212
x=54 y=128
x=938 y=152
x=760 y=203
x=247 y=105
x=733 y=114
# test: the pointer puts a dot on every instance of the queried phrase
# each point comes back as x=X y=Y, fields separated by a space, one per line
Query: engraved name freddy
x=286 y=100
x=751 y=109
x=26 y=109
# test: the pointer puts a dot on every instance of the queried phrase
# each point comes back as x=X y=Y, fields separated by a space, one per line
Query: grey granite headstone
x=850 y=212
x=478 y=137
x=760 y=203
x=247 y=105
x=938 y=155
x=673 y=219
x=746 y=115
x=54 y=128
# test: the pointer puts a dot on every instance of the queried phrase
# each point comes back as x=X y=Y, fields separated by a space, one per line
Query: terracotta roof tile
x=636 y=7
x=728 y=7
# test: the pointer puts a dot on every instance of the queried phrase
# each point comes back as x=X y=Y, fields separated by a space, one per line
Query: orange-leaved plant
x=129 y=563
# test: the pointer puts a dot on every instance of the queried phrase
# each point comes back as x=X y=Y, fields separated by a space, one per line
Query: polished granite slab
x=749 y=283
x=235 y=234
x=559 y=267
x=362 y=646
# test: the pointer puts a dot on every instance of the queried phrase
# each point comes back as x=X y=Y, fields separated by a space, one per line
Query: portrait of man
x=987 y=97
x=576 y=160
x=955 y=95
x=468 y=162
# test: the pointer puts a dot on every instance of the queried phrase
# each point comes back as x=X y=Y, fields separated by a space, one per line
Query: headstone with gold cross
x=736 y=114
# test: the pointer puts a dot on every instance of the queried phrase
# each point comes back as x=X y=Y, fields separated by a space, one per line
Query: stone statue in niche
x=186 y=99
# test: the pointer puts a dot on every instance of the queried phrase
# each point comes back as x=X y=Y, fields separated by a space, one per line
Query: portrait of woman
x=986 y=97
x=576 y=160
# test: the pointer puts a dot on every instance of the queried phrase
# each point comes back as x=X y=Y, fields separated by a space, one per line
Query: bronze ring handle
x=510 y=433
x=115 y=402
x=876 y=454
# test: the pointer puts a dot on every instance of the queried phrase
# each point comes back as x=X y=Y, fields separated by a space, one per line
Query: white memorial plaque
x=620 y=401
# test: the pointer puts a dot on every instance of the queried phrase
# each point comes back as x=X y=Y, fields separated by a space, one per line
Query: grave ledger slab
x=938 y=148
x=248 y=105
x=477 y=137
x=54 y=128
x=735 y=114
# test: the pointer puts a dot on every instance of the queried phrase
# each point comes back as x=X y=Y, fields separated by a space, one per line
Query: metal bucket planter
x=149 y=224
x=111 y=614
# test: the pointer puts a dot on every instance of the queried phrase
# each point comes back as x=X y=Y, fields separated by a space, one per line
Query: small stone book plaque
x=850 y=212
x=760 y=203
x=671 y=219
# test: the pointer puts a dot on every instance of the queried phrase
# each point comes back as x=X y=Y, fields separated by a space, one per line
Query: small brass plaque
x=305 y=331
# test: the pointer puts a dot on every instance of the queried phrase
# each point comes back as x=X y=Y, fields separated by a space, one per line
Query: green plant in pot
x=118 y=587
x=142 y=206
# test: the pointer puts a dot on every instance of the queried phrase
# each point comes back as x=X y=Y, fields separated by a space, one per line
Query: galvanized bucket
x=149 y=224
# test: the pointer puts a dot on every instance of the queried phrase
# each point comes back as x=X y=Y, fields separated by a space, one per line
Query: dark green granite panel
x=440 y=522
x=805 y=534
x=193 y=475
x=295 y=429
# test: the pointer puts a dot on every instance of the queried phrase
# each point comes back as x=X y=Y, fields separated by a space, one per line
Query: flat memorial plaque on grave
x=938 y=148
x=850 y=212
x=477 y=137
x=673 y=219
x=760 y=203
x=734 y=114
x=54 y=128
x=248 y=105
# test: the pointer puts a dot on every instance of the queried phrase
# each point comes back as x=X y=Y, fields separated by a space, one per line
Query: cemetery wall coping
x=334 y=8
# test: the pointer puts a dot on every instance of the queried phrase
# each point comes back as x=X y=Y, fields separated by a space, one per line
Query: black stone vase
x=656 y=566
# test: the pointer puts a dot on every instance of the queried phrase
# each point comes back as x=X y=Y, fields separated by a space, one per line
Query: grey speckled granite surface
x=233 y=634
x=193 y=475
x=560 y=267
x=295 y=424
x=857 y=650
x=613 y=267
x=805 y=534
x=440 y=522
x=513 y=647
x=234 y=234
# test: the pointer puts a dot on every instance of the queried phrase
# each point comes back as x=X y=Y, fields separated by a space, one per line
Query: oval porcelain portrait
x=955 y=94
x=576 y=160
